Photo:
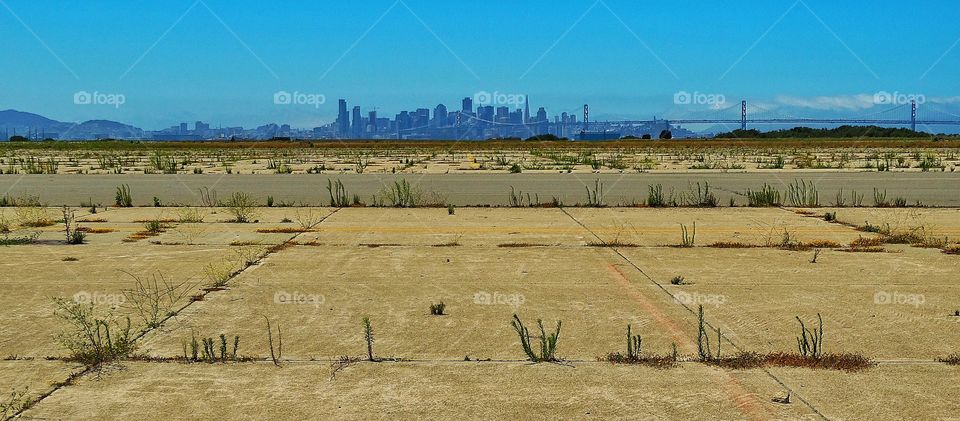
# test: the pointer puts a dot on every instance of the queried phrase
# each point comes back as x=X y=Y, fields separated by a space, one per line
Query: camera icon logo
x=283 y=98
x=82 y=98
x=683 y=98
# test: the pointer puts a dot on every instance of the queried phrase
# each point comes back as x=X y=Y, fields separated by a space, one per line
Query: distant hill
x=839 y=132
x=23 y=123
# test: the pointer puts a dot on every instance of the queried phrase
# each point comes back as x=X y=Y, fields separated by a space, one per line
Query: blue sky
x=222 y=61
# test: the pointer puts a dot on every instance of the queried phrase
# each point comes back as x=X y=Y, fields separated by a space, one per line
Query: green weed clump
x=122 y=198
x=595 y=196
x=688 y=238
x=402 y=195
x=635 y=354
x=803 y=194
x=655 y=198
x=338 y=194
x=765 y=197
x=810 y=341
x=437 y=309
x=210 y=350
x=548 y=342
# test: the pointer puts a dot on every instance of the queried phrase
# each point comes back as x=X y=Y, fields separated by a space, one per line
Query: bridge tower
x=913 y=115
x=586 y=117
x=743 y=115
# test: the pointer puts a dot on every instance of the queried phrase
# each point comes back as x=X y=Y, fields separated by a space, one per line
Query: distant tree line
x=839 y=132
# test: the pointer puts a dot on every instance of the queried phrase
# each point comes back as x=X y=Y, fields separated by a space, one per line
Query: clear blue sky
x=223 y=61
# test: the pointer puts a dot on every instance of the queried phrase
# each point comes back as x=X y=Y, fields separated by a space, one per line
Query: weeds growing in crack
x=154 y=299
x=276 y=353
x=548 y=342
x=93 y=339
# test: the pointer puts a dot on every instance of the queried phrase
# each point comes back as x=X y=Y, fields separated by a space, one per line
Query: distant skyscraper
x=440 y=116
x=526 y=109
x=485 y=114
x=184 y=128
x=542 y=122
x=343 y=120
x=372 y=118
x=468 y=105
x=357 y=123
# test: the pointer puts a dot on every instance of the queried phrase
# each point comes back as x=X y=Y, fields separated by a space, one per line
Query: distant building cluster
x=469 y=123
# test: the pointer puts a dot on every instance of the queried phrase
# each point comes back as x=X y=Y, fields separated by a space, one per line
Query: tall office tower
x=423 y=118
x=343 y=120
x=542 y=122
x=526 y=110
x=468 y=105
x=183 y=128
x=485 y=114
x=372 y=118
x=440 y=116
x=503 y=115
x=357 y=123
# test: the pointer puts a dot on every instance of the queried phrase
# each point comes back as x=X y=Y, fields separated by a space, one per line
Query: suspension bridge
x=905 y=115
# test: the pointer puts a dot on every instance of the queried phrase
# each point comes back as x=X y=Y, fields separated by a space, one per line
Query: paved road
x=932 y=189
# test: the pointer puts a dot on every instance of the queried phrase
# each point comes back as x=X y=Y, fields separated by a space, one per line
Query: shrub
x=678 y=280
x=451 y=210
x=548 y=343
x=437 y=309
x=516 y=169
x=189 y=216
x=93 y=340
x=242 y=207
